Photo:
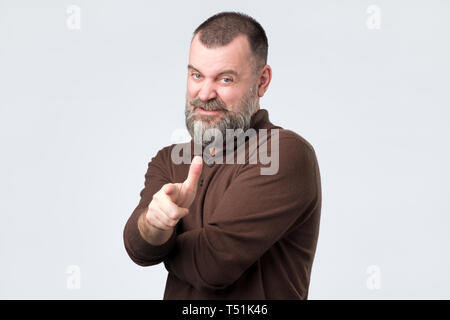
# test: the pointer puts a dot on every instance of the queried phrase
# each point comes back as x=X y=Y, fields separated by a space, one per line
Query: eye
x=195 y=75
x=228 y=80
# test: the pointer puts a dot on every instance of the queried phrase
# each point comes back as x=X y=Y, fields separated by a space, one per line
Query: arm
x=138 y=235
x=254 y=213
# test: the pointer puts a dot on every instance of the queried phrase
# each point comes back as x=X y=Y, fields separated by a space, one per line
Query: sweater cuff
x=150 y=252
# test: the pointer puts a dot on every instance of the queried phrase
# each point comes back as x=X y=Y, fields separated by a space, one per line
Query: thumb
x=191 y=182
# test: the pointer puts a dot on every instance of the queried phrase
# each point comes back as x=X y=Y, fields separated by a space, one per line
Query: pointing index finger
x=195 y=170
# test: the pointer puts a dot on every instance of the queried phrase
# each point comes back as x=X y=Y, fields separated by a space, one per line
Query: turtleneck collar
x=259 y=120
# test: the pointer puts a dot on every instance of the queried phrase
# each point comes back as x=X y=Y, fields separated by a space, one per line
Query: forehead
x=235 y=55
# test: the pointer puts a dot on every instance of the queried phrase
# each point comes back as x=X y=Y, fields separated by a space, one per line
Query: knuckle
x=171 y=223
x=158 y=224
x=150 y=221
x=171 y=218
x=168 y=224
x=151 y=210
x=172 y=214
x=161 y=226
x=150 y=216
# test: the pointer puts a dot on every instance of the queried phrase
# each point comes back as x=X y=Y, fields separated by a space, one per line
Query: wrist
x=151 y=234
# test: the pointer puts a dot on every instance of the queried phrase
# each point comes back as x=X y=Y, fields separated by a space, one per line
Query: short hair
x=224 y=27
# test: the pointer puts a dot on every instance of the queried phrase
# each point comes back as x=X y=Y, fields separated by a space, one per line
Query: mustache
x=211 y=105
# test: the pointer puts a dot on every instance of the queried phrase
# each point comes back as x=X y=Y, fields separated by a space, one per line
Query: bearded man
x=227 y=230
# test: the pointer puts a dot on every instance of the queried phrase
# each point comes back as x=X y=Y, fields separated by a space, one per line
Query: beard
x=204 y=129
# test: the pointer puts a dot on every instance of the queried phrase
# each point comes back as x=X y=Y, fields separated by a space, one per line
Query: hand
x=172 y=201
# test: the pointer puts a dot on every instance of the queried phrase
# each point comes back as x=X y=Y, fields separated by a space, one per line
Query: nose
x=207 y=91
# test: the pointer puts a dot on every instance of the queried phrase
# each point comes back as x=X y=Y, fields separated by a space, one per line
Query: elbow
x=218 y=269
x=134 y=253
x=216 y=284
x=139 y=261
x=218 y=278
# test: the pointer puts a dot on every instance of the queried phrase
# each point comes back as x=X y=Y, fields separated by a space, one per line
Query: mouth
x=208 y=112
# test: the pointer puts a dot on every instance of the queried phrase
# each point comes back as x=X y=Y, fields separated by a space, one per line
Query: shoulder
x=166 y=153
x=282 y=153
x=162 y=154
x=290 y=145
x=290 y=138
x=298 y=165
x=162 y=160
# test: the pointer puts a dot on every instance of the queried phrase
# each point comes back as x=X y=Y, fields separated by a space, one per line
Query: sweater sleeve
x=254 y=213
x=139 y=250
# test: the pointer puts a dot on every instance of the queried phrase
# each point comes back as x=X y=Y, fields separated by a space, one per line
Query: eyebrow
x=229 y=71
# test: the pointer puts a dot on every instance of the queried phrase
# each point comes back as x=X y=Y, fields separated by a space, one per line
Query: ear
x=265 y=75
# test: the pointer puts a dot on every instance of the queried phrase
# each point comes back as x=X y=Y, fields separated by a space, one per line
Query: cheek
x=231 y=98
x=192 y=89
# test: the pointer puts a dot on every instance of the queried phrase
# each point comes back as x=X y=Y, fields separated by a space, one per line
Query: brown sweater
x=248 y=235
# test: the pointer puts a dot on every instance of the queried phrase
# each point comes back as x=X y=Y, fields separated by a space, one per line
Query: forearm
x=140 y=249
x=137 y=237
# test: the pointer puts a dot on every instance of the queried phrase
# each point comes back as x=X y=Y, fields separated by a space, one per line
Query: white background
x=83 y=111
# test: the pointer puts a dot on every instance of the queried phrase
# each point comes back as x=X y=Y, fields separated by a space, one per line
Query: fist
x=172 y=201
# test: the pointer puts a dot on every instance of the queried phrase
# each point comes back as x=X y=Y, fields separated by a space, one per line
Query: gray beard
x=199 y=129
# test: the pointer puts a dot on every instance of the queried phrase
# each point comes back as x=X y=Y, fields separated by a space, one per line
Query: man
x=228 y=231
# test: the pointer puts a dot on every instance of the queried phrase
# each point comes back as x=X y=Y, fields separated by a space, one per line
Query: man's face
x=221 y=88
